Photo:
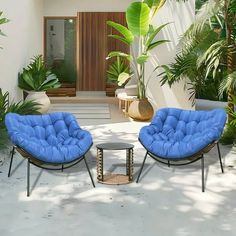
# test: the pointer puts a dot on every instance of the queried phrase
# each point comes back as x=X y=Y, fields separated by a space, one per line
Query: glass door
x=60 y=52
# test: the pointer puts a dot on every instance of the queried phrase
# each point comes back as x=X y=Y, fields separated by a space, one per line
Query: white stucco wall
x=180 y=14
x=71 y=7
x=24 y=40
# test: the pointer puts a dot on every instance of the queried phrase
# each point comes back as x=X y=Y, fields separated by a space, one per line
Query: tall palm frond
x=227 y=83
x=212 y=58
x=208 y=10
x=186 y=62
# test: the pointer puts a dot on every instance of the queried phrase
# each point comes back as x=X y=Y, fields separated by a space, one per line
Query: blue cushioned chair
x=53 y=141
x=179 y=137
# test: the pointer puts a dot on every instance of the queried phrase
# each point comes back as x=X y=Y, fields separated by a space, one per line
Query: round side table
x=115 y=178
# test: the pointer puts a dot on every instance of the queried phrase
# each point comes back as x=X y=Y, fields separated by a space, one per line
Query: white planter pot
x=41 y=98
x=203 y=104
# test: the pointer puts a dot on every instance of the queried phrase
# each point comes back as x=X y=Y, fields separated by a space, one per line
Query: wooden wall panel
x=94 y=46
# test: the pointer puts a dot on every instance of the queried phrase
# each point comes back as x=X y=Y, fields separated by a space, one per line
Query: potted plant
x=116 y=68
x=36 y=79
x=139 y=31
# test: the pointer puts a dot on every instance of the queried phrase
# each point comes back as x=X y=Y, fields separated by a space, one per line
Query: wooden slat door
x=94 y=46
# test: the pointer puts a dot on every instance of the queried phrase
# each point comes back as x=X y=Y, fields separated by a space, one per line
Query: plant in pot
x=140 y=34
x=36 y=79
x=115 y=69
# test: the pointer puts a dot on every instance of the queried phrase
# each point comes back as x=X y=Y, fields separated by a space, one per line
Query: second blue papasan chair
x=179 y=137
x=53 y=141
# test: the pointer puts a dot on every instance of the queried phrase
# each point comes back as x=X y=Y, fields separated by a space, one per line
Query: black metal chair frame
x=187 y=160
x=39 y=163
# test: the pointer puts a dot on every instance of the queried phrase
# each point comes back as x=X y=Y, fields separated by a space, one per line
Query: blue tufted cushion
x=176 y=133
x=53 y=138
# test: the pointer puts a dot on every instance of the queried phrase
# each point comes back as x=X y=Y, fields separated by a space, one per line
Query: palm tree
x=209 y=49
x=230 y=25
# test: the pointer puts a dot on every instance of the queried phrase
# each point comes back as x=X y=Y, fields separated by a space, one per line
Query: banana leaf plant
x=37 y=77
x=140 y=31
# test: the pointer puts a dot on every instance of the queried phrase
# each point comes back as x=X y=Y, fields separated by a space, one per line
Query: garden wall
x=24 y=40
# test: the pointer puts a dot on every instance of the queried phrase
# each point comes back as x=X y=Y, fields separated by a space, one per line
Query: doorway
x=60 y=40
x=76 y=49
x=94 y=46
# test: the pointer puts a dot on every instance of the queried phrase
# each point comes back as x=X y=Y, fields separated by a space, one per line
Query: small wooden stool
x=123 y=97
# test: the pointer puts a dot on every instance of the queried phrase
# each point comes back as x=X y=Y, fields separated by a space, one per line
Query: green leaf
x=154 y=34
x=51 y=82
x=155 y=3
x=124 y=40
x=3 y=21
x=138 y=18
x=142 y=59
x=26 y=78
x=119 y=54
x=127 y=34
x=123 y=77
x=227 y=83
x=157 y=43
x=167 y=74
x=1 y=33
x=116 y=68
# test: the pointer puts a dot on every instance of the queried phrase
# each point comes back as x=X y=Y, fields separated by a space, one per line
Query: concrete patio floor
x=167 y=201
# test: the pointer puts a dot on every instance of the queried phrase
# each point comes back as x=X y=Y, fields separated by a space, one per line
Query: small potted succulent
x=36 y=79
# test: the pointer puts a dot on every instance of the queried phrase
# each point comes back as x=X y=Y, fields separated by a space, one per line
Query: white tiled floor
x=167 y=201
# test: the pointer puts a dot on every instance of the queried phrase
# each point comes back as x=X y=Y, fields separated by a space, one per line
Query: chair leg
x=203 y=183
x=12 y=154
x=168 y=163
x=219 y=154
x=89 y=173
x=28 y=178
x=142 y=167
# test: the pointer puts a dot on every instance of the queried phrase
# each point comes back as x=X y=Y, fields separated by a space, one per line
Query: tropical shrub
x=209 y=50
x=37 y=77
x=118 y=67
x=6 y=106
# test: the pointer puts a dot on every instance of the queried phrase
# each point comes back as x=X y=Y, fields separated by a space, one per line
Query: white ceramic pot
x=204 y=104
x=41 y=98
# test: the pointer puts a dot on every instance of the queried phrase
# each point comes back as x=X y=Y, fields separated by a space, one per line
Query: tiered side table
x=115 y=178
